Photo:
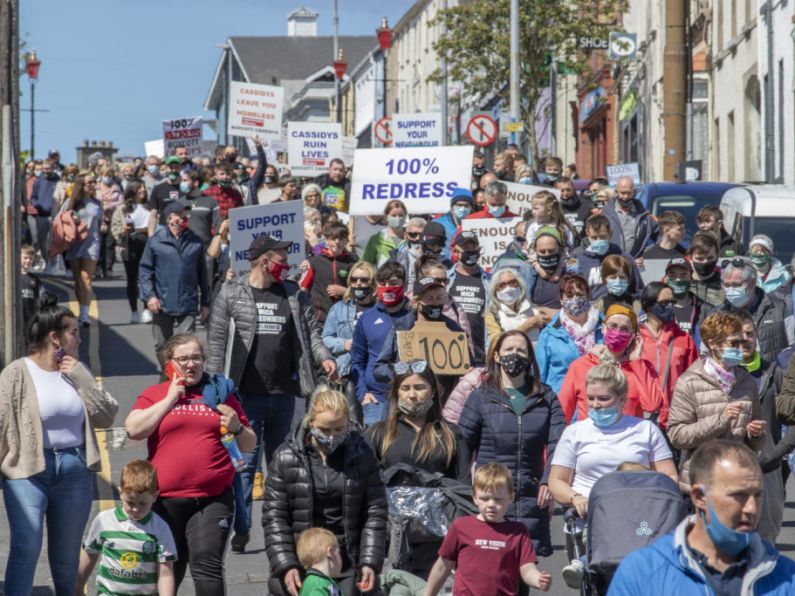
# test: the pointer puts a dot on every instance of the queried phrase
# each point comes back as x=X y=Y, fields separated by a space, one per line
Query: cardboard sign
x=445 y=351
x=349 y=149
x=312 y=145
x=494 y=236
x=521 y=195
x=284 y=221
x=620 y=170
x=183 y=132
x=423 y=178
x=416 y=130
x=255 y=109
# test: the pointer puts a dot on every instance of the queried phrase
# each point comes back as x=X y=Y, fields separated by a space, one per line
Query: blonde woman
x=510 y=307
x=325 y=475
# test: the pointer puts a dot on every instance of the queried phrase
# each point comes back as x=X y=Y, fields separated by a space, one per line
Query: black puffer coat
x=287 y=508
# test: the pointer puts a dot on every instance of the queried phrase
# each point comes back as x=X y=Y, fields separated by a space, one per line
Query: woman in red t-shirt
x=194 y=470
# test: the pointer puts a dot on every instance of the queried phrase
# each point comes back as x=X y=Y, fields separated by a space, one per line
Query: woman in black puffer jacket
x=514 y=419
x=325 y=476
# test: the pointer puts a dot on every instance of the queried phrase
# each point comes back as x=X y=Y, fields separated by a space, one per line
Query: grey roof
x=303 y=12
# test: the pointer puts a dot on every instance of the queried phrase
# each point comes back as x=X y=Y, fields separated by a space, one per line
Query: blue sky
x=115 y=70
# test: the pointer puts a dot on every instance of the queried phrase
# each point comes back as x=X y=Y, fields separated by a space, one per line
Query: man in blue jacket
x=172 y=278
x=461 y=205
x=717 y=550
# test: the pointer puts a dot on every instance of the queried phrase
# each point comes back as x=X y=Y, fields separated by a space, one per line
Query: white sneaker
x=146 y=316
x=573 y=574
x=134 y=318
x=84 y=321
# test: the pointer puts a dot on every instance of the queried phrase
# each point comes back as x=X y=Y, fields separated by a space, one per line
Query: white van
x=762 y=209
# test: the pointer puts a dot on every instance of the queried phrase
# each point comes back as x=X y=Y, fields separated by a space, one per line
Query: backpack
x=67 y=231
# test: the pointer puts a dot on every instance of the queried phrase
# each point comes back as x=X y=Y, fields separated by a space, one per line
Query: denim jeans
x=62 y=495
x=271 y=417
x=374 y=412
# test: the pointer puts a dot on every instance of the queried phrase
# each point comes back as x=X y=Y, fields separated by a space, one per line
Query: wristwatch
x=239 y=429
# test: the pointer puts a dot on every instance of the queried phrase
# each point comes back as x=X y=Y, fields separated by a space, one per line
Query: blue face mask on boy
x=599 y=247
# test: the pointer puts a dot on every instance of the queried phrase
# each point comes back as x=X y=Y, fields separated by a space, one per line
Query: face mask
x=705 y=269
x=184 y=223
x=549 y=262
x=496 y=211
x=37 y=174
x=184 y=187
x=478 y=171
x=269 y=179
x=731 y=356
x=726 y=540
x=664 y=313
x=328 y=444
x=599 y=247
x=70 y=177
x=759 y=260
x=515 y=364
x=509 y=295
x=737 y=297
x=617 y=287
x=415 y=409
x=603 y=416
x=107 y=180
x=470 y=257
x=173 y=176
x=154 y=170
x=461 y=212
x=231 y=157
x=576 y=307
x=278 y=271
x=52 y=176
x=627 y=202
x=572 y=202
x=390 y=295
x=396 y=221
x=415 y=249
x=225 y=183
x=431 y=312
x=361 y=293
x=526 y=180
x=679 y=287
x=617 y=340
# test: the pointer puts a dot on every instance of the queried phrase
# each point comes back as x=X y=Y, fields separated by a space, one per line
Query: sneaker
x=146 y=316
x=239 y=542
x=84 y=321
x=258 y=492
x=134 y=318
x=573 y=574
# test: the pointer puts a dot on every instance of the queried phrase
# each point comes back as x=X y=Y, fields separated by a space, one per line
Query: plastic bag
x=420 y=506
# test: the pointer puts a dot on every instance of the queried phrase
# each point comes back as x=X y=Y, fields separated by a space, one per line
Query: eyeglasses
x=183 y=360
x=739 y=262
x=364 y=280
x=415 y=366
x=520 y=239
x=510 y=283
x=440 y=280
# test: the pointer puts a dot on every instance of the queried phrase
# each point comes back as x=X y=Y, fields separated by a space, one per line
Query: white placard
x=653 y=270
x=520 y=196
x=312 y=145
x=623 y=169
x=422 y=177
x=186 y=132
x=155 y=147
x=255 y=109
x=494 y=235
x=416 y=130
x=349 y=149
x=284 y=221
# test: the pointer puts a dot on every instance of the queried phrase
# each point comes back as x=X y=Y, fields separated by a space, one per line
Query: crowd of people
x=287 y=384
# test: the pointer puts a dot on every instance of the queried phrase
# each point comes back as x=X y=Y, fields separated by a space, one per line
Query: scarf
x=724 y=377
x=754 y=365
x=584 y=336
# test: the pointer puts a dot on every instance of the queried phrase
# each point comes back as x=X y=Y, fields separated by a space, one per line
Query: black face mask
x=426 y=250
x=477 y=172
x=432 y=313
x=549 y=262
x=269 y=179
x=515 y=364
x=705 y=269
x=361 y=293
x=572 y=202
x=470 y=257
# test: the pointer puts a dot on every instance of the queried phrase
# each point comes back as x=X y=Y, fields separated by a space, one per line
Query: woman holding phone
x=182 y=420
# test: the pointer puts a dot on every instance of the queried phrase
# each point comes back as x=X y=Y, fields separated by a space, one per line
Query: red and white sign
x=383 y=130
x=482 y=130
x=183 y=132
x=255 y=109
x=312 y=145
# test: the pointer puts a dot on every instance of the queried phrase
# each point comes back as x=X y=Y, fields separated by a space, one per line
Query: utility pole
x=336 y=51
x=514 y=86
x=674 y=86
x=770 y=121
x=443 y=98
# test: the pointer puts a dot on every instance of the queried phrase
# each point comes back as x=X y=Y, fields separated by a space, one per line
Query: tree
x=476 y=44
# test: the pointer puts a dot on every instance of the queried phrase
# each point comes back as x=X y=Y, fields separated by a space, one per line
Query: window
x=730 y=140
x=781 y=101
x=716 y=151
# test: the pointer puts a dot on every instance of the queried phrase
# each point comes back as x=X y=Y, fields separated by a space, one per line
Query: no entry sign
x=383 y=133
x=482 y=130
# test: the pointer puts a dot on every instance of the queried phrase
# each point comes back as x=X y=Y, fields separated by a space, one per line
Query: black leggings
x=135 y=250
x=200 y=527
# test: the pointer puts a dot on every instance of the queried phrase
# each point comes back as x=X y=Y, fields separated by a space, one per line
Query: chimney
x=302 y=22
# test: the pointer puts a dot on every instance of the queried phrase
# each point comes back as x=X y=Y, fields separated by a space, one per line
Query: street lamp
x=32 y=63
x=384 y=34
x=339 y=72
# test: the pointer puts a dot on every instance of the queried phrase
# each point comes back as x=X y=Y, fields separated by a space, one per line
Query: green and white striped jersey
x=130 y=551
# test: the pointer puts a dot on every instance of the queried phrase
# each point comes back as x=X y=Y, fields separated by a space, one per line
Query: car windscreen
x=780 y=230
x=687 y=205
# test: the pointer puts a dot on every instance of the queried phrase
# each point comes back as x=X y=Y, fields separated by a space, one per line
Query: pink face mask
x=617 y=340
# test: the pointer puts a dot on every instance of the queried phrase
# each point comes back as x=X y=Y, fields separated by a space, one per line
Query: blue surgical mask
x=154 y=170
x=737 y=297
x=184 y=187
x=461 y=212
x=603 y=416
x=726 y=540
x=496 y=211
x=599 y=247
x=526 y=180
x=731 y=356
x=617 y=287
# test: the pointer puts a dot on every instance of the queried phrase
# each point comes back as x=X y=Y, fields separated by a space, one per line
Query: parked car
x=762 y=209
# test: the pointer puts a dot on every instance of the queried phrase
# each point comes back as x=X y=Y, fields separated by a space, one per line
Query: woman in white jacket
x=510 y=308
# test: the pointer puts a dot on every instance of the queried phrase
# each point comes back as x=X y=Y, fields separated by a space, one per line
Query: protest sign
x=416 y=130
x=348 y=149
x=423 y=178
x=653 y=270
x=520 y=196
x=312 y=145
x=284 y=221
x=255 y=109
x=183 y=132
x=445 y=351
x=623 y=169
x=494 y=236
x=155 y=147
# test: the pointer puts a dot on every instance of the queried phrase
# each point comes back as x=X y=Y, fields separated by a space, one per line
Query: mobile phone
x=60 y=353
x=172 y=369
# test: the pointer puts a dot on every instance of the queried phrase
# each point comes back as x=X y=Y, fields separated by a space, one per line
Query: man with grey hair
x=410 y=249
x=496 y=197
x=632 y=226
x=152 y=176
x=774 y=322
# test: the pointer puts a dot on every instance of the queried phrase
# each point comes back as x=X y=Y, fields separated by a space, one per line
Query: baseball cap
x=259 y=246
x=172 y=159
x=434 y=232
x=678 y=262
x=762 y=240
x=467 y=236
x=426 y=283
x=174 y=207
x=461 y=194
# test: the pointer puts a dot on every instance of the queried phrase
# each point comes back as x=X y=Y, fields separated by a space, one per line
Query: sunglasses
x=413 y=235
x=415 y=366
x=364 y=280
x=512 y=283
x=520 y=239
x=739 y=262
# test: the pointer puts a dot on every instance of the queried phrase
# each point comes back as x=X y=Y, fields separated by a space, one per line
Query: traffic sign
x=383 y=133
x=482 y=130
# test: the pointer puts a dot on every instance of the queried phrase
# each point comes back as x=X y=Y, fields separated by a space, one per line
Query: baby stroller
x=626 y=511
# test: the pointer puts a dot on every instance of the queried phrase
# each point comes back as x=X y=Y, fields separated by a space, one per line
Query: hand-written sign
x=520 y=196
x=445 y=351
x=494 y=236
